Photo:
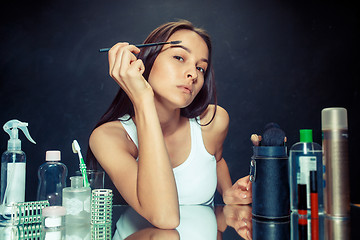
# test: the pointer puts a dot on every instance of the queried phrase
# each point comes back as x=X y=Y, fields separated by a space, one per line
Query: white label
x=52 y=235
x=73 y=206
x=51 y=222
x=16 y=182
x=307 y=164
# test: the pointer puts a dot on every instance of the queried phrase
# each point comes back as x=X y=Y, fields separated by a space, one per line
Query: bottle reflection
x=79 y=232
x=337 y=228
x=9 y=232
x=267 y=229
x=303 y=227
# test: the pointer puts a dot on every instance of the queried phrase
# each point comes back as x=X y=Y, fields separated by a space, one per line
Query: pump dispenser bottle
x=13 y=169
x=305 y=162
x=52 y=179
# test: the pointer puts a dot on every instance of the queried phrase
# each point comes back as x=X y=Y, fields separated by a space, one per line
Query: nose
x=192 y=75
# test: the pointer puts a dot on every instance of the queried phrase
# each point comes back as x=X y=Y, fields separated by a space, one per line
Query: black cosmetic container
x=269 y=174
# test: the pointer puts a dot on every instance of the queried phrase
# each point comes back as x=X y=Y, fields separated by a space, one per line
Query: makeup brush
x=273 y=135
x=145 y=45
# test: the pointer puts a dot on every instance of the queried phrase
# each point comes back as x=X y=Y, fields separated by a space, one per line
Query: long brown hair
x=122 y=105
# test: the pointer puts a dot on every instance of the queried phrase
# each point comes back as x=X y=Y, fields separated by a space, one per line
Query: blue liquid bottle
x=52 y=179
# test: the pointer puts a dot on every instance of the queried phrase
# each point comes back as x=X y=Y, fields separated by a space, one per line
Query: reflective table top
x=227 y=222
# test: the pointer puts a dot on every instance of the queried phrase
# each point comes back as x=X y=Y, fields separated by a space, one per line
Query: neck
x=170 y=119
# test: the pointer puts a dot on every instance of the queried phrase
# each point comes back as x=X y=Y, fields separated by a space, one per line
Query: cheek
x=199 y=86
x=160 y=71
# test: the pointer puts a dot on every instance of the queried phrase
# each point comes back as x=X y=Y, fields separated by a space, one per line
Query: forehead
x=192 y=41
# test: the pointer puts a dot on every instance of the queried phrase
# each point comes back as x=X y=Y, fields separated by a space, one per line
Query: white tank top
x=195 y=178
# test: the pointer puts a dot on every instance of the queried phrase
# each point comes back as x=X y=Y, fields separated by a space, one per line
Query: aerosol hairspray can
x=334 y=126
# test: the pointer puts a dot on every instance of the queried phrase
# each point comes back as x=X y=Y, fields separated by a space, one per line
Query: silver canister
x=334 y=127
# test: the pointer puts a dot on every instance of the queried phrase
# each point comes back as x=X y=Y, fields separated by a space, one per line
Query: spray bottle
x=334 y=125
x=13 y=169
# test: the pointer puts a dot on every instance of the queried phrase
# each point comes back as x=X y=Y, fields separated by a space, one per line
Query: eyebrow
x=188 y=50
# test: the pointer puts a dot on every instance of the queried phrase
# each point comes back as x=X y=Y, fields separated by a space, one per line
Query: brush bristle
x=273 y=135
x=75 y=146
x=175 y=42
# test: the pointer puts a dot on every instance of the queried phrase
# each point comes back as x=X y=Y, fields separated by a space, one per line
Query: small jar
x=53 y=217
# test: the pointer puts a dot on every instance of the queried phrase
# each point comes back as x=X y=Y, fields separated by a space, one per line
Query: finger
x=113 y=52
x=243 y=183
x=255 y=139
x=138 y=66
x=249 y=234
x=120 y=57
x=120 y=67
x=243 y=232
x=249 y=185
x=123 y=62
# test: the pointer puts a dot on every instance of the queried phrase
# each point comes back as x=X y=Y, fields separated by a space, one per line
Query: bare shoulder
x=107 y=131
x=219 y=123
x=110 y=137
x=215 y=132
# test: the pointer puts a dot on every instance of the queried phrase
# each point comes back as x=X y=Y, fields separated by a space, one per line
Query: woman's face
x=179 y=70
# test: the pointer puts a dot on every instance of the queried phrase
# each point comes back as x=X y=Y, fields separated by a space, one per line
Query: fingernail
x=248 y=234
x=243 y=195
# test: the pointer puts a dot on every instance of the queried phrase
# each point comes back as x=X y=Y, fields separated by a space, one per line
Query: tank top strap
x=197 y=142
x=130 y=128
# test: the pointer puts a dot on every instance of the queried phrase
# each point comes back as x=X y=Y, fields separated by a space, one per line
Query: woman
x=166 y=148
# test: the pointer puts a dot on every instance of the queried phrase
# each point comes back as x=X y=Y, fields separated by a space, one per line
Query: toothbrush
x=76 y=149
x=145 y=45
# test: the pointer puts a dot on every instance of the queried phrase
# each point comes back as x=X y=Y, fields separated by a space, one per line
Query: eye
x=200 y=69
x=181 y=59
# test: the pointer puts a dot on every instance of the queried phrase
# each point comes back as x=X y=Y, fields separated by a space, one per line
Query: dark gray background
x=279 y=61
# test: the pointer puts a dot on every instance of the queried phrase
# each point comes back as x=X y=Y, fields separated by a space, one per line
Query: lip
x=186 y=89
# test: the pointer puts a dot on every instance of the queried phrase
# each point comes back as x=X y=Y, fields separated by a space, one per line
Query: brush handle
x=144 y=45
x=84 y=174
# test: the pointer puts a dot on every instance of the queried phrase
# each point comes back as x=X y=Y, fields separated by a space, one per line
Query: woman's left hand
x=239 y=193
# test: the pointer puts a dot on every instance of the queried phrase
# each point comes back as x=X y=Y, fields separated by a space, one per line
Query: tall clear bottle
x=52 y=179
x=76 y=200
x=13 y=170
x=305 y=162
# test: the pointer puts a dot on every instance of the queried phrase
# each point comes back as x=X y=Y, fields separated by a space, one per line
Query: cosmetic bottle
x=52 y=179
x=305 y=161
x=53 y=217
x=13 y=170
x=76 y=200
x=334 y=127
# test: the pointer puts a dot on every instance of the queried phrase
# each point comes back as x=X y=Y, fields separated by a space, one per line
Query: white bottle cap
x=54 y=155
x=334 y=119
x=53 y=211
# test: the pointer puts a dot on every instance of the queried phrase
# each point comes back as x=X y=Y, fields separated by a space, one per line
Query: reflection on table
x=198 y=222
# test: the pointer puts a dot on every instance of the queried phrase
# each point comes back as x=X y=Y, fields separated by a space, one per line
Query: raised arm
x=148 y=185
